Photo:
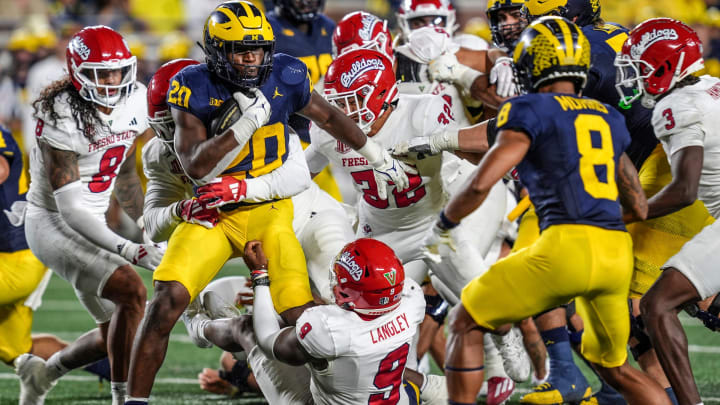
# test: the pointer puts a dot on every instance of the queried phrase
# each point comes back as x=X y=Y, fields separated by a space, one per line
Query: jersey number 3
x=594 y=157
x=390 y=374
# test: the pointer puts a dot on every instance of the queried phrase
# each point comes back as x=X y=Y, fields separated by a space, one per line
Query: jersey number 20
x=592 y=157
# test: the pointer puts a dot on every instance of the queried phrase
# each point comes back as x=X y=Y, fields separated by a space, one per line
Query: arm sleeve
x=265 y=321
x=164 y=190
x=288 y=180
x=314 y=334
x=68 y=199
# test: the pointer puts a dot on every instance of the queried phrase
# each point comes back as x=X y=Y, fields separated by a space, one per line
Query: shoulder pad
x=292 y=70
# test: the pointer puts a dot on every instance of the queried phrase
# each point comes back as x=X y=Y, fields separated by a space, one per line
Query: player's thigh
x=697 y=260
x=15 y=326
x=86 y=266
x=547 y=274
x=194 y=256
x=528 y=230
x=20 y=273
x=657 y=239
x=289 y=282
x=603 y=307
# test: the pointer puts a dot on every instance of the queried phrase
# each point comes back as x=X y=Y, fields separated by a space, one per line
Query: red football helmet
x=367 y=278
x=91 y=54
x=362 y=30
x=159 y=116
x=362 y=83
x=410 y=9
x=656 y=56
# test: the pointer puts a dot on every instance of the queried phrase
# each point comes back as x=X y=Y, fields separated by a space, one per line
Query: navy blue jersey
x=605 y=42
x=11 y=190
x=199 y=92
x=569 y=170
x=313 y=48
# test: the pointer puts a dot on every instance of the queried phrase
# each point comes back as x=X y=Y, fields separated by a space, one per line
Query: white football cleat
x=434 y=390
x=34 y=380
x=216 y=307
x=515 y=359
x=194 y=325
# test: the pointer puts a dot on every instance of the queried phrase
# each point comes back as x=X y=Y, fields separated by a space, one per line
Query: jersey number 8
x=591 y=157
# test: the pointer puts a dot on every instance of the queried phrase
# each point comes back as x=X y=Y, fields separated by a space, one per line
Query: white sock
x=137 y=399
x=119 y=390
x=55 y=368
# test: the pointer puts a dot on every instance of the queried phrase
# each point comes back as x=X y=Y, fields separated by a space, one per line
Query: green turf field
x=62 y=315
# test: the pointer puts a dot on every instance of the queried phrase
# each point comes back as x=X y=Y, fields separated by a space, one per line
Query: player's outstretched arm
x=387 y=170
x=632 y=196
x=686 y=166
x=276 y=343
x=62 y=169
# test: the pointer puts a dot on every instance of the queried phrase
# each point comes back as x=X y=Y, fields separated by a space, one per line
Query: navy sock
x=136 y=403
x=671 y=394
x=100 y=368
x=558 y=345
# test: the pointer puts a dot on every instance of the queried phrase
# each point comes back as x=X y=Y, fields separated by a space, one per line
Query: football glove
x=221 y=191
x=144 y=255
x=502 y=74
x=194 y=212
x=256 y=113
x=428 y=145
x=437 y=242
x=391 y=172
x=446 y=68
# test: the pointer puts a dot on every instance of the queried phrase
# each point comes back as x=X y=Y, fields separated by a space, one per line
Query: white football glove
x=447 y=68
x=143 y=255
x=256 y=113
x=391 y=170
x=502 y=75
x=428 y=145
x=437 y=243
x=428 y=43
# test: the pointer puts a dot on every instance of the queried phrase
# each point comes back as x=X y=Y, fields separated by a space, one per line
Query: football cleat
x=499 y=390
x=194 y=322
x=216 y=307
x=34 y=380
x=560 y=388
x=515 y=359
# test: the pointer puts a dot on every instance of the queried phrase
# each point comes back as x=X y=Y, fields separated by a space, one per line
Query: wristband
x=372 y=152
x=446 y=223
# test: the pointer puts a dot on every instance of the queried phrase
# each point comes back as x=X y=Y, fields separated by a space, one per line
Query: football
x=224 y=117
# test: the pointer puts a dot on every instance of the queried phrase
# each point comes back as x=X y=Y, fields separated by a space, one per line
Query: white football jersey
x=415 y=116
x=366 y=358
x=99 y=158
x=690 y=116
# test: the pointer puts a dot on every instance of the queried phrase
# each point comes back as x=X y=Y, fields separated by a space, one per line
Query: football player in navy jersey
x=241 y=67
x=569 y=154
x=655 y=240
